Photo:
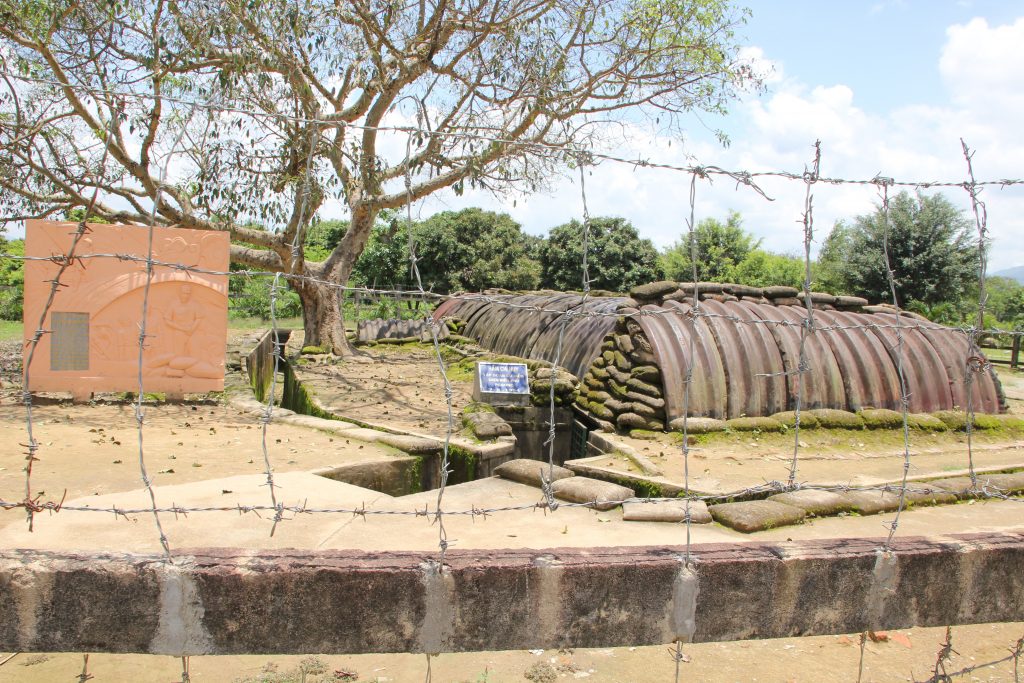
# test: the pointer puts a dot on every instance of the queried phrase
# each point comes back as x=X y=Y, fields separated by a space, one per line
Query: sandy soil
x=94 y=449
x=910 y=655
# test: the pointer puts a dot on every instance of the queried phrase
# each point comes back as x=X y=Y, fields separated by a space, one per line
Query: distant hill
x=1016 y=273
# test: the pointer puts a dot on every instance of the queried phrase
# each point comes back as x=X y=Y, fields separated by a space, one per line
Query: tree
x=720 y=249
x=617 y=258
x=762 y=268
x=932 y=252
x=12 y=280
x=473 y=250
x=270 y=108
x=1005 y=299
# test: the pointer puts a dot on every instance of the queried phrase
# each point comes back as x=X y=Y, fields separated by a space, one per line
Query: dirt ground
x=93 y=449
x=397 y=386
x=981 y=654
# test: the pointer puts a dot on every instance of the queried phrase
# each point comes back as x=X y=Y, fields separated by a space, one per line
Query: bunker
x=743 y=347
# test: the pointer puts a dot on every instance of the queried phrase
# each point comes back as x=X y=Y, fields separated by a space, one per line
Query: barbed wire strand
x=139 y=413
x=900 y=351
x=548 y=479
x=807 y=328
x=32 y=446
x=974 y=363
x=504 y=300
x=741 y=177
x=277 y=355
x=433 y=325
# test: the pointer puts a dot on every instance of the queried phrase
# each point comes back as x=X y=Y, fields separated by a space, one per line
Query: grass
x=259 y=323
x=10 y=330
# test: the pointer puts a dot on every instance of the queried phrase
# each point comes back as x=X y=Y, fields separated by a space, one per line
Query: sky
x=889 y=87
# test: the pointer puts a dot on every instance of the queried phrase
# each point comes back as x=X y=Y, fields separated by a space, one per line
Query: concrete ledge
x=294 y=601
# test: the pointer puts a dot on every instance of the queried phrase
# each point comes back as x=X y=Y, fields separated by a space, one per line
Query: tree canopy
x=617 y=257
x=721 y=247
x=265 y=110
x=932 y=253
x=474 y=250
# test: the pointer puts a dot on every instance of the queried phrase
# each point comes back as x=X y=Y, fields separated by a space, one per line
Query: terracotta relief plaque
x=93 y=325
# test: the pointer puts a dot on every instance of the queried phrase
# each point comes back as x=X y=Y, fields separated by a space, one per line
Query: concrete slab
x=236 y=526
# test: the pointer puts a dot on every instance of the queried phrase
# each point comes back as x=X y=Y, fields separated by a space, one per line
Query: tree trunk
x=322 y=317
x=322 y=320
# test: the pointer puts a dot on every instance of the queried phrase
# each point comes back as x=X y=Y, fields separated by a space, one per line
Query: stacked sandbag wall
x=623 y=387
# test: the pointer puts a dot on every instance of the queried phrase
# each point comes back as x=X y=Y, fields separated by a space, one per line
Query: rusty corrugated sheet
x=823 y=382
x=925 y=373
x=950 y=348
x=752 y=360
x=669 y=330
x=869 y=377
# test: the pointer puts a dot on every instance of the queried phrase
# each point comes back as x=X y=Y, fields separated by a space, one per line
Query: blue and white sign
x=502 y=378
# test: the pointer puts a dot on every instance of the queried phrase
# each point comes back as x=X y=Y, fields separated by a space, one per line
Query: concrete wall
x=530 y=427
x=295 y=601
x=259 y=363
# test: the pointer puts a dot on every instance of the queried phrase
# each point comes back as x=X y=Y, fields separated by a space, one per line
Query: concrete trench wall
x=296 y=601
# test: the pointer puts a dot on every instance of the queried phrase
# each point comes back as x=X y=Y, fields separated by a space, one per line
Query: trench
x=411 y=473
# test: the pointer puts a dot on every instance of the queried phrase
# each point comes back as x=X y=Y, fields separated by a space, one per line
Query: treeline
x=930 y=245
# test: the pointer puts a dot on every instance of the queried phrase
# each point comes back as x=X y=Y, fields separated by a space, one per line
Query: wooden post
x=1015 y=353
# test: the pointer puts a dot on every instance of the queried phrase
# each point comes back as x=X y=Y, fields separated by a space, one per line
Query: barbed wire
x=563 y=316
x=985 y=491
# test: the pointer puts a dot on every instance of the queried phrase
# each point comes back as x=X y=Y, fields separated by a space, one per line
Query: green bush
x=251 y=299
x=11 y=301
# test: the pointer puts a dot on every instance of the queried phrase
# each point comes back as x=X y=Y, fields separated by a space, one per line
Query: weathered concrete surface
x=286 y=601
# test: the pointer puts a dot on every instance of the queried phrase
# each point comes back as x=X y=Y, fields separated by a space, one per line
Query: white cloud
x=979 y=65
